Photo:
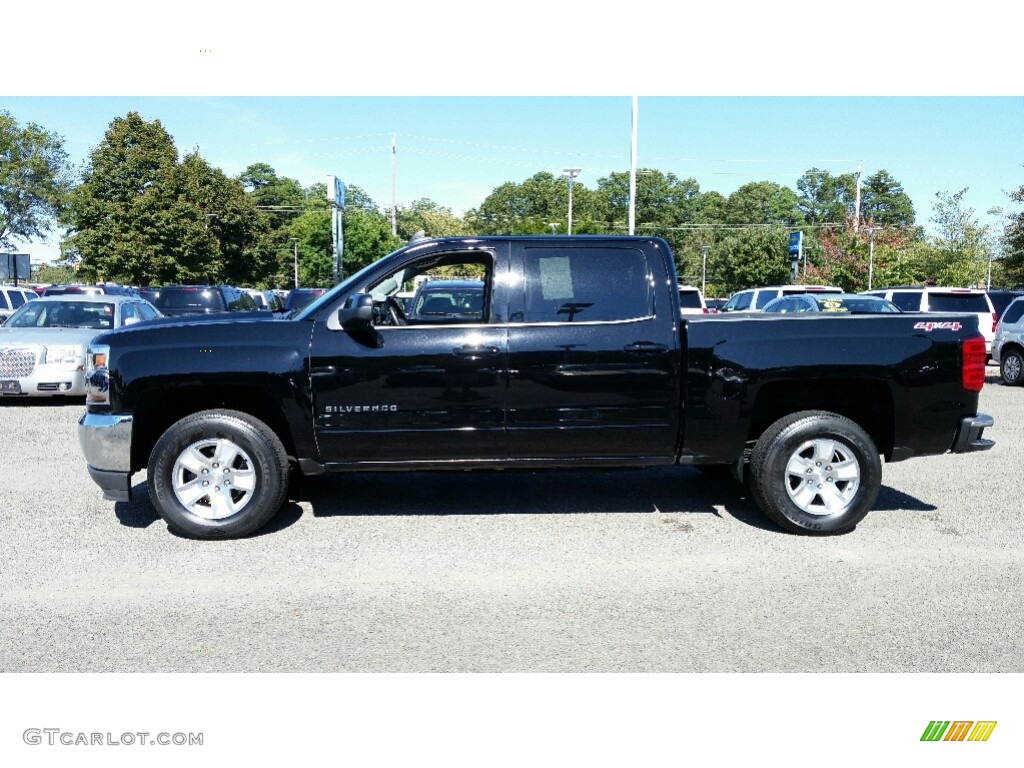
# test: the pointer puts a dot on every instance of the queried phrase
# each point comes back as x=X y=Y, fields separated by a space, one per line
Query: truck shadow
x=682 y=491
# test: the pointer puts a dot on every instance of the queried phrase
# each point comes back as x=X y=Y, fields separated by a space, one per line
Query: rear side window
x=958 y=302
x=592 y=285
x=3 y=300
x=908 y=301
x=1013 y=312
x=763 y=297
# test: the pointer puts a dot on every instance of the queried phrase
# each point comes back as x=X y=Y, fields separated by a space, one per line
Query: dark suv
x=175 y=300
x=300 y=297
x=99 y=289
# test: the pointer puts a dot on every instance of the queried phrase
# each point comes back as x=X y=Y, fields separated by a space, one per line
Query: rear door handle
x=644 y=348
x=475 y=351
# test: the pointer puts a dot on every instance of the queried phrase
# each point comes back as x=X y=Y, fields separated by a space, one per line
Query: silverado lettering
x=527 y=352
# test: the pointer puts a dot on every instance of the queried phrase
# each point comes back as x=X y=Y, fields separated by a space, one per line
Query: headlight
x=97 y=377
x=62 y=355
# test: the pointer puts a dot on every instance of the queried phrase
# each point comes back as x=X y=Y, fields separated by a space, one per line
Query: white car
x=691 y=300
x=755 y=299
x=12 y=297
x=42 y=345
x=934 y=298
x=1008 y=345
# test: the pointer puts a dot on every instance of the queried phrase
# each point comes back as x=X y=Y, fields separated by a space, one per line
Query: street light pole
x=295 y=254
x=570 y=174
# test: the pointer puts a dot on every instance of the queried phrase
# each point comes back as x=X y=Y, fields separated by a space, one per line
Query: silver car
x=1008 y=345
x=42 y=345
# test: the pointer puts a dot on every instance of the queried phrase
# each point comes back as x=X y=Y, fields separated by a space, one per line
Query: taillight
x=995 y=321
x=705 y=310
x=972 y=363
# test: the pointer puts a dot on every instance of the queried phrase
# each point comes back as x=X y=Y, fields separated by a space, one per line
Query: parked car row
x=12 y=297
x=43 y=343
x=1008 y=345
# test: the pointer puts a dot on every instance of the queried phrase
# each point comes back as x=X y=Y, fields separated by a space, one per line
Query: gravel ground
x=644 y=571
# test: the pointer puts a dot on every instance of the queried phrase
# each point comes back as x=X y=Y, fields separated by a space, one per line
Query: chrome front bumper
x=106 y=442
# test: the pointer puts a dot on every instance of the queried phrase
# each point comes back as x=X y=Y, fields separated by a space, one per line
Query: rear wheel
x=218 y=474
x=1011 y=367
x=815 y=472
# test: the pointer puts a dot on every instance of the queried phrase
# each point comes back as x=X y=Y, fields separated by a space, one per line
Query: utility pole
x=856 y=205
x=394 y=169
x=632 y=167
x=295 y=256
x=571 y=174
x=871 y=256
x=704 y=269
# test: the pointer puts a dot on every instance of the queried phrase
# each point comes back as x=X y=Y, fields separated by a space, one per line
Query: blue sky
x=726 y=95
x=456 y=150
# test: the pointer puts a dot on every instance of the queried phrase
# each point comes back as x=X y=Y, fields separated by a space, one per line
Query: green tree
x=662 y=200
x=34 y=179
x=532 y=206
x=764 y=203
x=367 y=231
x=825 y=199
x=120 y=215
x=139 y=216
x=751 y=257
x=959 y=252
x=279 y=198
x=884 y=203
x=1012 y=262
x=434 y=220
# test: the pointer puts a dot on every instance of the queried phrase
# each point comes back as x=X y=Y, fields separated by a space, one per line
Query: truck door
x=427 y=387
x=593 y=361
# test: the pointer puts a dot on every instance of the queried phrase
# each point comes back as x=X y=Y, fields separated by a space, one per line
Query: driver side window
x=446 y=289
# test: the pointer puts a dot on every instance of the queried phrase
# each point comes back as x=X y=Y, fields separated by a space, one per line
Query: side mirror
x=357 y=314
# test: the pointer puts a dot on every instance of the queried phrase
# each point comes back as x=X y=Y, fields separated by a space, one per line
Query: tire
x=1011 y=367
x=815 y=472
x=245 y=462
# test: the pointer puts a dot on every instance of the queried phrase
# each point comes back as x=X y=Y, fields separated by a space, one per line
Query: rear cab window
x=575 y=285
x=958 y=302
x=189 y=298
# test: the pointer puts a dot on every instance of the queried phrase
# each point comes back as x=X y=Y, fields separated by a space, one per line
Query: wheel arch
x=867 y=402
x=157 y=411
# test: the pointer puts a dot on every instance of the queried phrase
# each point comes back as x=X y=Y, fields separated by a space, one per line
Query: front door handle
x=644 y=348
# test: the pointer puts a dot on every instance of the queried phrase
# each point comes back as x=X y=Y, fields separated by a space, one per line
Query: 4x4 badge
x=948 y=326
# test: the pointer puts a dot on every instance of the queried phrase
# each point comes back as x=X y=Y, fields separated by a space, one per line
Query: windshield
x=63 y=314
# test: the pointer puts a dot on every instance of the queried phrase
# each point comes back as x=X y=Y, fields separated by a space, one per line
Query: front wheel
x=815 y=472
x=1011 y=367
x=218 y=474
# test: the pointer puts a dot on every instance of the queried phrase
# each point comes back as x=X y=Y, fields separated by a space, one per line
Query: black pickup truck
x=575 y=356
